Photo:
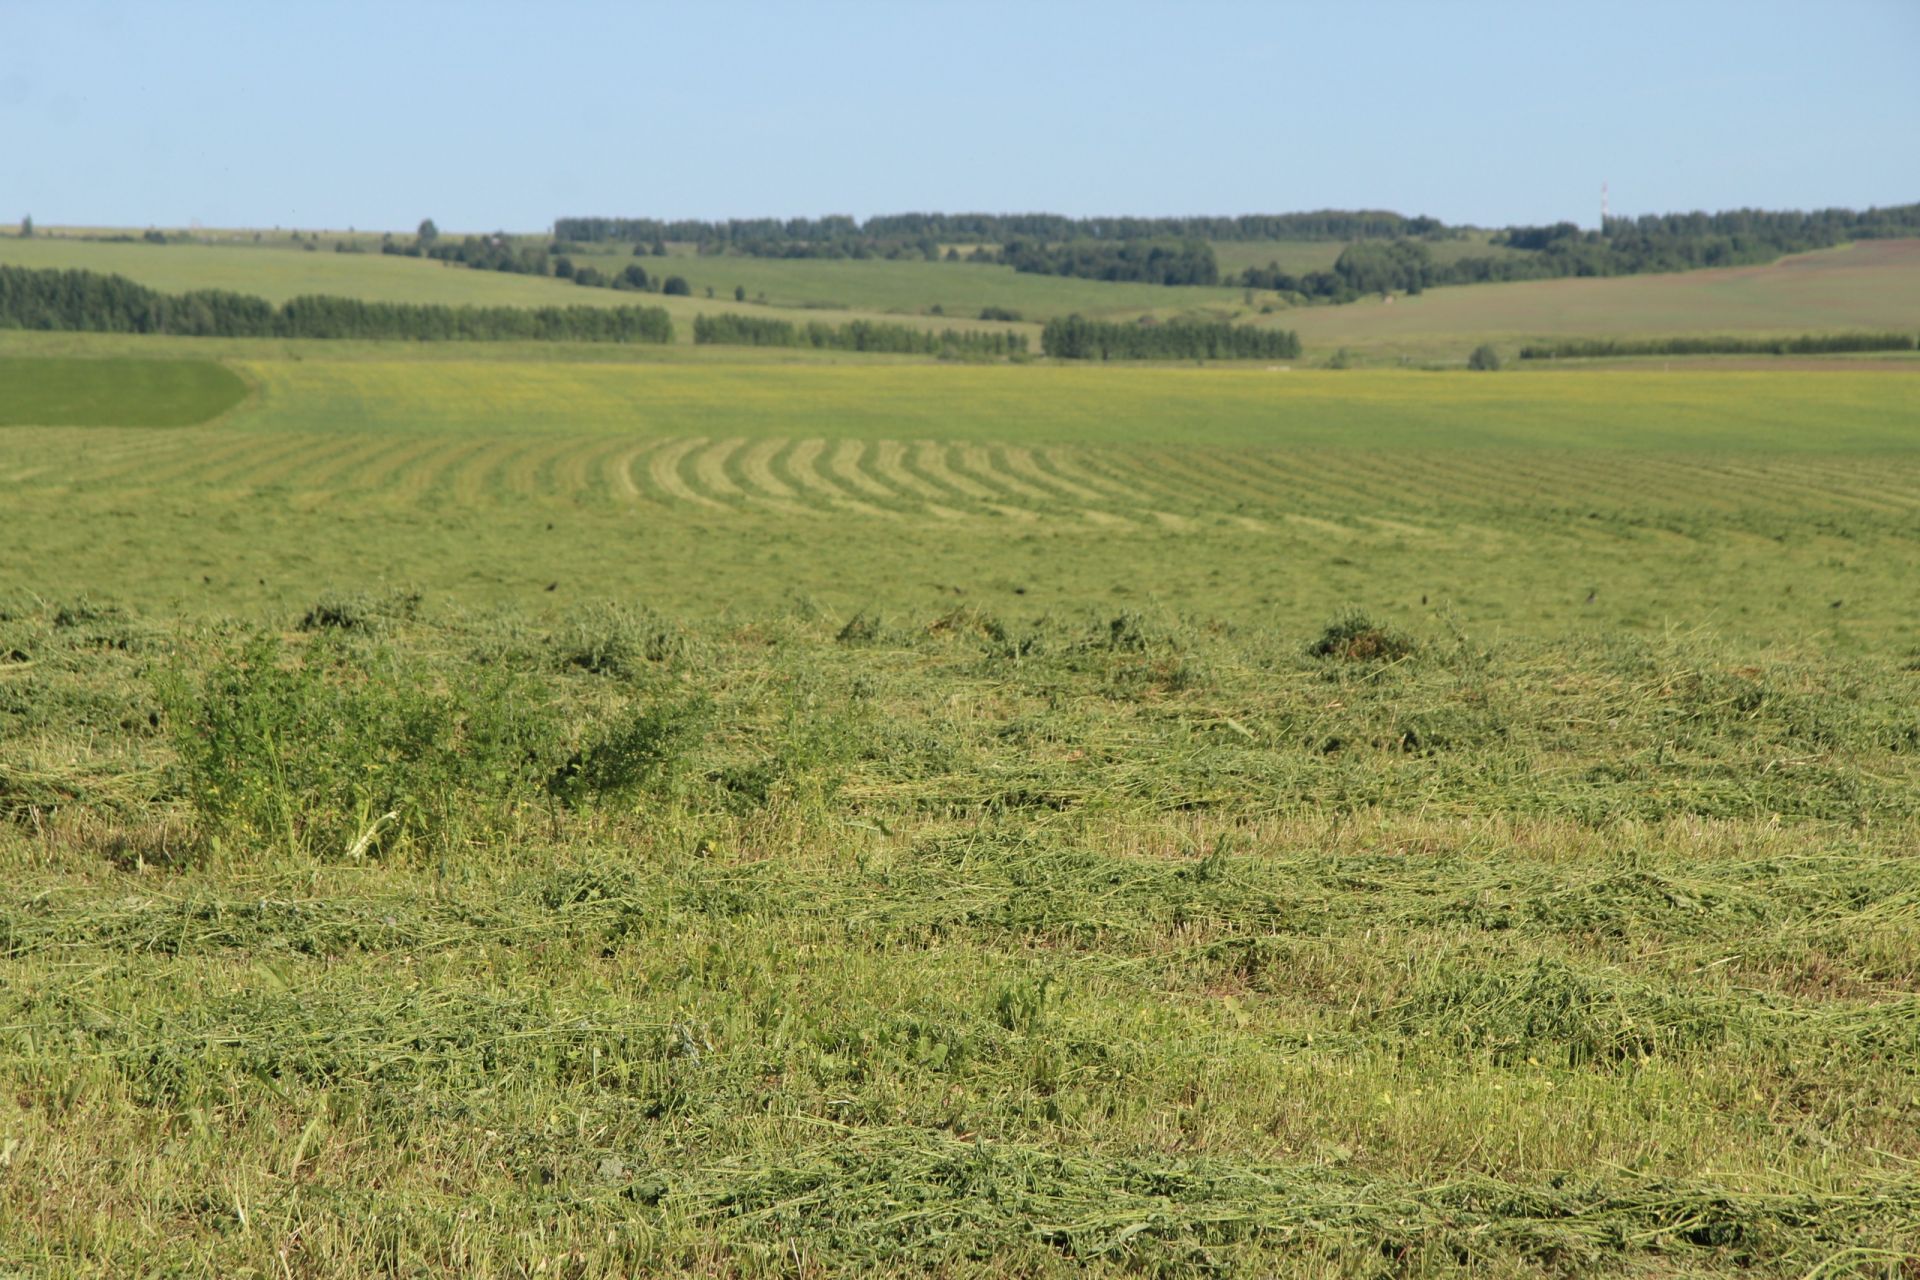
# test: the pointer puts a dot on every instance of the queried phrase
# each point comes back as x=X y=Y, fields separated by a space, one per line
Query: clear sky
x=485 y=115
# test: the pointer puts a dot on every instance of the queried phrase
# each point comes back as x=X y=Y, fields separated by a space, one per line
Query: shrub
x=1484 y=358
x=677 y=286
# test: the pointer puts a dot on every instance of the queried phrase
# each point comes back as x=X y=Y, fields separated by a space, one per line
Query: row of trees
x=998 y=228
x=857 y=335
x=1679 y=242
x=500 y=252
x=1077 y=338
x=1805 y=345
x=88 y=301
x=1139 y=261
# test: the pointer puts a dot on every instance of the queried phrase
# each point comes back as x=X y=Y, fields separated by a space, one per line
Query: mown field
x=523 y=811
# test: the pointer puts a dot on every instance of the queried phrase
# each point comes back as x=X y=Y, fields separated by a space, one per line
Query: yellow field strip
x=804 y=463
x=663 y=471
x=889 y=461
x=709 y=468
x=618 y=469
x=844 y=465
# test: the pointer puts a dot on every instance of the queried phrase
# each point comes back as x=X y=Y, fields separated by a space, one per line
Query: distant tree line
x=1077 y=338
x=1675 y=242
x=1805 y=345
x=998 y=228
x=1139 y=261
x=499 y=252
x=87 y=301
x=858 y=335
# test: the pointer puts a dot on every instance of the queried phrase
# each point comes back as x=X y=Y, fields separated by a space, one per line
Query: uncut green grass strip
x=215 y=449
x=374 y=454
x=856 y=466
x=292 y=471
x=426 y=478
x=377 y=474
x=1135 y=470
x=1024 y=463
x=1805 y=475
x=713 y=471
x=1071 y=463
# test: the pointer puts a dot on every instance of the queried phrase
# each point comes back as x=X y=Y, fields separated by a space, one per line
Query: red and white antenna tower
x=1603 y=206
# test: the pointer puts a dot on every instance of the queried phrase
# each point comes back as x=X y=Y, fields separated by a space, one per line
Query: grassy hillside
x=278 y=272
x=1868 y=286
x=872 y=288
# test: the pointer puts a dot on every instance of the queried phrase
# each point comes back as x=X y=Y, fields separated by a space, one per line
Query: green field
x=528 y=810
x=53 y=392
x=1867 y=286
x=837 y=290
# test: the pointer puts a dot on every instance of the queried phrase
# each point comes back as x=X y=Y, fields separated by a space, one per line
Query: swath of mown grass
x=967 y=943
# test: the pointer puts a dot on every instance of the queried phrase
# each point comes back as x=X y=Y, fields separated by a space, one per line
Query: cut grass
x=773 y=831
x=974 y=947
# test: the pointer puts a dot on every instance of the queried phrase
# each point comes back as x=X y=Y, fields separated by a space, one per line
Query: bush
x=677 y=286
x=1484 y=358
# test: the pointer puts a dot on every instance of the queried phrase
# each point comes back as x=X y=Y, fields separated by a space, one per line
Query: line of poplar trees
x=1077 y=338
x=88 y=301
x=1805 y=345
x=858 y=335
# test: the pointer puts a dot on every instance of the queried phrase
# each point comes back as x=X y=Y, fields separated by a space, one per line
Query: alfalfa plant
x=331 y=752
x=360 y=611
x=1355 y=637
x=633 y=751
x=616 y=641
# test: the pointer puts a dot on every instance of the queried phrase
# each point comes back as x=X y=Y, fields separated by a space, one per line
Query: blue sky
x=486 y=115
